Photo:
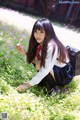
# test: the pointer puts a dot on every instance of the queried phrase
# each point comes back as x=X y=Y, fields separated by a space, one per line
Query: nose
x=38 y=35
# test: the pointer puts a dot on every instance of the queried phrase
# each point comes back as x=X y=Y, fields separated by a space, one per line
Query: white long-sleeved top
x=49 y=64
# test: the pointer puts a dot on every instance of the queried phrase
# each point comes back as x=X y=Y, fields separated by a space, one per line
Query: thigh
x=56 y=74
x=48 y=82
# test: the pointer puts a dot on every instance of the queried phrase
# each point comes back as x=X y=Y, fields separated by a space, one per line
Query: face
x=39 y=35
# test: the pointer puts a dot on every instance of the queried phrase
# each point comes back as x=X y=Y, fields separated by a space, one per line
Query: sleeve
x=49 y=63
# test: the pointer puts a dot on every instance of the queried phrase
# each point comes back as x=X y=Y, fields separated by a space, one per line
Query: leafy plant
x=33 y=104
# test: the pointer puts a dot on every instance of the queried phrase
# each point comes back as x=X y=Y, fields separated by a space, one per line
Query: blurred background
x=64 y=11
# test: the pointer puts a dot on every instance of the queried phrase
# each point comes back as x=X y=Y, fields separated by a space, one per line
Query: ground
x=32 y=104
x=23 y=21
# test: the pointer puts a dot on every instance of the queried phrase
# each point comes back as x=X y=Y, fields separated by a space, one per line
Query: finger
x=19 y=44
x=19 y=88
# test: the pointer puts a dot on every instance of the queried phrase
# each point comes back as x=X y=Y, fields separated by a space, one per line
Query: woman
x=48 y=55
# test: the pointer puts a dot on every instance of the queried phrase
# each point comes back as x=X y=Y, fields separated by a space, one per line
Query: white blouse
x=49 y=64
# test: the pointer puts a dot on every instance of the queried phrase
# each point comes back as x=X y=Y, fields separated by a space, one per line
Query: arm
x=49 y=63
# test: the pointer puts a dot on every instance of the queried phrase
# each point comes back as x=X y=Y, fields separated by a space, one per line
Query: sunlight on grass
x=11 y=17
x=33 y=104
x=23 y=21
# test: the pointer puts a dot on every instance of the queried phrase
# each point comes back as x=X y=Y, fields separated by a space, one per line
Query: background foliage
x=33 y=104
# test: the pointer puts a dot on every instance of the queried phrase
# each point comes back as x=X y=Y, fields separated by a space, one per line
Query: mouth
x=38 y=38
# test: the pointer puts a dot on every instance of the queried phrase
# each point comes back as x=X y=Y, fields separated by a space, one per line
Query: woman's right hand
x=20 y=48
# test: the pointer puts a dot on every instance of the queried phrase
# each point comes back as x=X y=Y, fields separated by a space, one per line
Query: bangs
x=38 y=26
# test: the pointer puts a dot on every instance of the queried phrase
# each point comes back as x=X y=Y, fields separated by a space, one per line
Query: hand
x=20 y=48
x=23 y=87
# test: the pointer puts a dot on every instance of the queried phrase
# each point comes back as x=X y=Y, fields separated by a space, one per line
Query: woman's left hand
x=23 y=87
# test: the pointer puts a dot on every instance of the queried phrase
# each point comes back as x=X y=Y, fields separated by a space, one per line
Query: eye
x=35 y=31
x=42 y=31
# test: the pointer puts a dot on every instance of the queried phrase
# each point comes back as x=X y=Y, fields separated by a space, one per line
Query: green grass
x=33 y=104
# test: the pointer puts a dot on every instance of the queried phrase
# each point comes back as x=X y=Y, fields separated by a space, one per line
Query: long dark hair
x=45 y=24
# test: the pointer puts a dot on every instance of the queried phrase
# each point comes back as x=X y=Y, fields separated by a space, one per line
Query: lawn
x=32 y=104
